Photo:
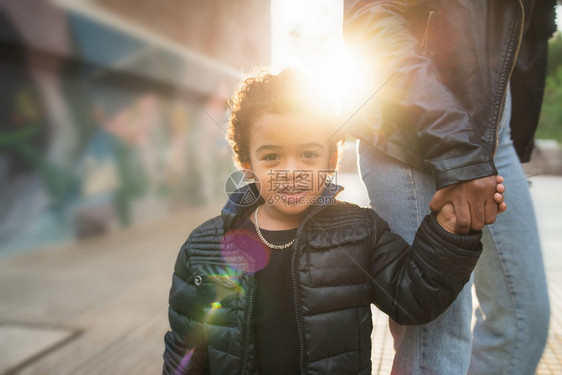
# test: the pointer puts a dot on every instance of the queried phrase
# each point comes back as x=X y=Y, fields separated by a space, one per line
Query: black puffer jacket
x=440 y=69
x=344 y=258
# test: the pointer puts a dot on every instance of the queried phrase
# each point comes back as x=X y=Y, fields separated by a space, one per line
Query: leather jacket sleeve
x=422 y=122
x=415 y=284
x=186 y=348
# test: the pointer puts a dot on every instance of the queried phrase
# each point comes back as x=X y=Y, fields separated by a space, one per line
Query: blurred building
x=114 y=111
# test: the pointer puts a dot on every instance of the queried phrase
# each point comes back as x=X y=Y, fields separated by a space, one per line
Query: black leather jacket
x=444 y=66
x=344 y=258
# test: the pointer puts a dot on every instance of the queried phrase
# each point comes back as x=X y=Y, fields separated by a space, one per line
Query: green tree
x=550 y=122
x=554 y=53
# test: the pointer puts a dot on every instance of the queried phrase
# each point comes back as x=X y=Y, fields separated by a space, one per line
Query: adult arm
x=414 y=102
x=444 y=138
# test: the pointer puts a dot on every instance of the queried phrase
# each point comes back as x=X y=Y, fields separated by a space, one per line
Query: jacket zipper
x=296 y=294
x=296 y=300
x=519 y=40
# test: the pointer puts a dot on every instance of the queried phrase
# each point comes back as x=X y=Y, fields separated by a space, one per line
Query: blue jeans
x=512 y=318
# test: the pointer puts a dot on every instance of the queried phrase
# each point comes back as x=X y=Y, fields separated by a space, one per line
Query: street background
x=112 y=149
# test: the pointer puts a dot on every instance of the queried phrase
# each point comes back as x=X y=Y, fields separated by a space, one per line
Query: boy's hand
x=447 y=218
x=498 y=196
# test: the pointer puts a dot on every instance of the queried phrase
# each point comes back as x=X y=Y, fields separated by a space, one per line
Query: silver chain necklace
x=271 y=246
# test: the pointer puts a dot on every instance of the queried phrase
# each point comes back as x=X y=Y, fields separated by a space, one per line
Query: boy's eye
x=270 y=157
x=310 y=154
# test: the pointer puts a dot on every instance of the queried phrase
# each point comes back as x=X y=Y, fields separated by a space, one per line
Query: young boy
x=283 y=280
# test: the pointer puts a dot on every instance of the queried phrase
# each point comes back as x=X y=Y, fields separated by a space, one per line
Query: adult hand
x=473 y=201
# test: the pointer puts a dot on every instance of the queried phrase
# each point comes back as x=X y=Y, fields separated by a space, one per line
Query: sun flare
x=308 y=36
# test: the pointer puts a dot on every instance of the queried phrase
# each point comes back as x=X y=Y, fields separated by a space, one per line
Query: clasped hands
x=471 y=204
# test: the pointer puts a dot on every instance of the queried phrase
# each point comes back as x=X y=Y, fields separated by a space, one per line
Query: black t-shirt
x=275 y=323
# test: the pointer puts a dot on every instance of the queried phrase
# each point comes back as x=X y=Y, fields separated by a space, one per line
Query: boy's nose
x=291 y=166
x=298 y=176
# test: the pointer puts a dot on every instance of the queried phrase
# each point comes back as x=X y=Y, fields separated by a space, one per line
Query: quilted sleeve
x=186 y=347
x=415 y=284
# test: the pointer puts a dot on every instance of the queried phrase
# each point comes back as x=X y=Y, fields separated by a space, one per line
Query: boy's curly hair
x=262 y=93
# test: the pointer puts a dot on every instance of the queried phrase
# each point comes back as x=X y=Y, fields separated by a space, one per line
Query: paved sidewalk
x=108 y=295
x=100 y=306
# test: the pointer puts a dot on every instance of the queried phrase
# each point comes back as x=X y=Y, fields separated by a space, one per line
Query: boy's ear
x=248 y=170
x=333 y=161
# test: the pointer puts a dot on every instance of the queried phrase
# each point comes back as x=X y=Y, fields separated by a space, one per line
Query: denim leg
x=513 y=316
x=401 y=194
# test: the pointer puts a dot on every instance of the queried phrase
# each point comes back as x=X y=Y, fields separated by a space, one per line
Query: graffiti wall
x=103 y=127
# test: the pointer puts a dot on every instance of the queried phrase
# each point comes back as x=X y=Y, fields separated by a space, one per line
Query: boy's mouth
x=294 y=189
x=291 y=197
x=290 y=191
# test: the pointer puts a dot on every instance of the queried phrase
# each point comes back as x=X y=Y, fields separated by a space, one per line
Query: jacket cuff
x=469 y=241
x=466 y=173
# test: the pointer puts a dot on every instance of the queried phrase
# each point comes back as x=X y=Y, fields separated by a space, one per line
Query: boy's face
x=290 y=157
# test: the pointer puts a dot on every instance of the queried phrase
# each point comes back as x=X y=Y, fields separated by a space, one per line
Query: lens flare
x=243 y=251
x=308 y=36
x=184 y=362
